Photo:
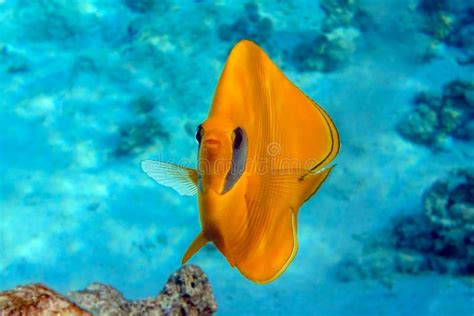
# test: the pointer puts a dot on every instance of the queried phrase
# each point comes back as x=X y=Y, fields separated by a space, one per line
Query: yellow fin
x=183 y=180
x=283 y=124
x=314 y=180
x=198 y=242
x=273 y=210
x=271 y=255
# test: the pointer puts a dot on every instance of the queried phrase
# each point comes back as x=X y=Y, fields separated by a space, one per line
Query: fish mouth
x=211 y=143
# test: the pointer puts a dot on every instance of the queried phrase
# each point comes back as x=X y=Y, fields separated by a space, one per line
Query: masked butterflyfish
x=264 y=150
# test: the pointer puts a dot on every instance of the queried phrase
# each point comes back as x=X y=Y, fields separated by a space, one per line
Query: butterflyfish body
x=264 y=150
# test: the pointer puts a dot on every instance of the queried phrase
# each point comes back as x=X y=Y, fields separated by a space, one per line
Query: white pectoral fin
x=183 y=180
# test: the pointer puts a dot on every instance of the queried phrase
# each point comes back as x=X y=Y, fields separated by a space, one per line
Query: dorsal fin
x=284 y=125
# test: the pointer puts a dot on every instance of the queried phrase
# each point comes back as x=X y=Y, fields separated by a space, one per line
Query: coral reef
x=12 y=62
x=52 y=20
x=145 y=6
x=324 y=53
x=434 y=118
x=37 y=299
x=331 y=48
x=343 y=13
x=250 y=25
x=449 y=208
x=325 y=50
x=440 y=240
x=188 y=289
x=187 y=292
x=140 y=5
x=141 y=134
x=446 y=25
x=438 y=20
x=462 y=36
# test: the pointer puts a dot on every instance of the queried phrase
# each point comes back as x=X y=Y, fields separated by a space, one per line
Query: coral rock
x=249 y=25
x=421 y=126
x=101 y=299
x=339 y=13
x=440 y=239
x=187 y=292
x=145 y=6
x=331 y=48
x=434 y=118
x=450 y=202
x=445 y=23
x=143 y=132
x=188 y=289
x=37 y=299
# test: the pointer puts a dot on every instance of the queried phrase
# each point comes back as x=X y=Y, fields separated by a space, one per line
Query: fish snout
x=211 y=143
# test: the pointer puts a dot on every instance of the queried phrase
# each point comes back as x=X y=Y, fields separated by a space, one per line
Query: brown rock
x=36 y=299
x=101 y=299
x=187 y=292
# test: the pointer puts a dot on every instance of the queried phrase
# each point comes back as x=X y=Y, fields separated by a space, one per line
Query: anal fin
x=198 y=242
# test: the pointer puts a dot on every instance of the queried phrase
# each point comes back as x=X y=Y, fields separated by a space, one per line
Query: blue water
x=91 y=88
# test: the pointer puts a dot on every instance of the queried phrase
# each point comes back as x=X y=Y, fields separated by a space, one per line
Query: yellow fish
x=263 y=151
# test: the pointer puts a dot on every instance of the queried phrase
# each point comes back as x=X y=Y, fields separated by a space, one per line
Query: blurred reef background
x=90 y=88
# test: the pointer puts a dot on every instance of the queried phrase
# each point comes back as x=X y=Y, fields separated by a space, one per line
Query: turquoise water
x=91 y=88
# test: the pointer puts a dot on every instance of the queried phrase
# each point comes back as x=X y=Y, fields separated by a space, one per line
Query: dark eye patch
x=239 y=159
x=199 y=133
x=238 y=138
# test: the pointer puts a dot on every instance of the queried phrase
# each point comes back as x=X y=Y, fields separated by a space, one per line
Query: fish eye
x=199 y=133
x=238 y=136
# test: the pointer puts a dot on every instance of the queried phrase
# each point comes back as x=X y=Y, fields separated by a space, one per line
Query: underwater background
x=88 y=89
